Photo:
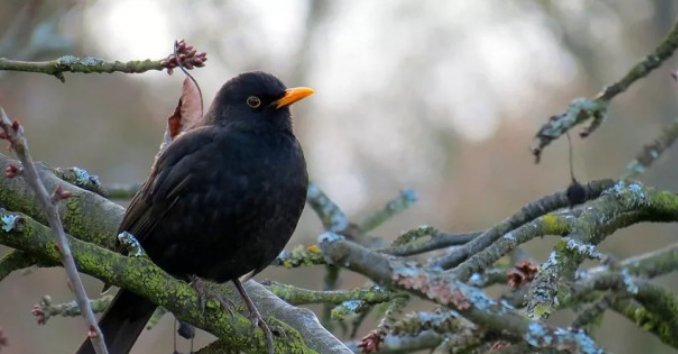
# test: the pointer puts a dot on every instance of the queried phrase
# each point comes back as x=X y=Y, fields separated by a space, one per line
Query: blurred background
x=441 y=97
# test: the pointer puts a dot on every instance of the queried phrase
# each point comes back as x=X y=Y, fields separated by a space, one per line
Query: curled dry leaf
x=190 y=105
x=523 y=273
x=188 y=113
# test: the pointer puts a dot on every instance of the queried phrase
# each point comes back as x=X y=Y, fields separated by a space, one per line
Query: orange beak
x=293 y=95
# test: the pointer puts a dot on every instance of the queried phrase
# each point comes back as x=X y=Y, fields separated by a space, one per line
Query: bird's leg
x=204 y=291
x=257 y=319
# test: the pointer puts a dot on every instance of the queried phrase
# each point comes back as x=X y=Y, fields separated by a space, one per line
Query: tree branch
x=624 y=204
x=529 y=212
x=141 y=276
x=95 y=219
x=13 y=132
x=299 y=296
x=652 y=152
x=87 y=65
x=412 y=243
x=14 y=260
x=469 y=301
x=583 y=109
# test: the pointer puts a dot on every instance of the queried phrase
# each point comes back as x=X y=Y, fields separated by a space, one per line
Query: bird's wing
x=169 y=176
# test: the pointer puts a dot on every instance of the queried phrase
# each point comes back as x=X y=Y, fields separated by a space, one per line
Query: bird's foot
x=204 y=291
x=258 y=320
x=269 y=330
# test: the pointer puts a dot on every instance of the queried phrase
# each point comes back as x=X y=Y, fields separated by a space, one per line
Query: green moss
x=555 y=225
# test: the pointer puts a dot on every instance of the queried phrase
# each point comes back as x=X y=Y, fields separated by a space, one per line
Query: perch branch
x=95 y=219
x=141 y=276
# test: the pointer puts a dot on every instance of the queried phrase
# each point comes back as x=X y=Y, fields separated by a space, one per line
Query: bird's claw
x=258 y=321
x=199 y=286
x=269 y=330
x=226 y=304
x=278 y=331
x=204 y=291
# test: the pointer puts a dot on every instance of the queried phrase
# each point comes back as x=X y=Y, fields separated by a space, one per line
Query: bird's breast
x=244 y=197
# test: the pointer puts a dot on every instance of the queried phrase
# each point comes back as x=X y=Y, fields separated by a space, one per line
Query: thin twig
x=299 y=296
x=653 y=151
x=14 y=133
x=87 y=65
x=595 y=109
x=46 y=308
x=529 y=212
x=330 y=214
x=26 y=38
x=403 y=201
x=412 y=243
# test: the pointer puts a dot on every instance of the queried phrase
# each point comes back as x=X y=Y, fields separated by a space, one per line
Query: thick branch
x=140 y=275
x=95 y=219
x=14 y=260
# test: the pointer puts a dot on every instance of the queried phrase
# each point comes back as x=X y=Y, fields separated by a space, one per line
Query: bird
x=220 y=202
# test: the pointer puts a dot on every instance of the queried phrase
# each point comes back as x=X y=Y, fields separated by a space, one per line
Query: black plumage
x=221 y=201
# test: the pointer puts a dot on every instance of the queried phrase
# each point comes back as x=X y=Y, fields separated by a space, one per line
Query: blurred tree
x=440 y=97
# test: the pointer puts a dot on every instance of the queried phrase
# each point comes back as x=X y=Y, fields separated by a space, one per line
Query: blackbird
x=221 y=201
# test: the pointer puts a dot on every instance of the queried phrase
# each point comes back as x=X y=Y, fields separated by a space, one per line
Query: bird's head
x=255 y=101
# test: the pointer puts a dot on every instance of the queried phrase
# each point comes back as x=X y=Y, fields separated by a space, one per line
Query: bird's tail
x=122 y=323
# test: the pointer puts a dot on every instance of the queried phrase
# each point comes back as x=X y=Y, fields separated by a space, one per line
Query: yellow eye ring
x=253 y=101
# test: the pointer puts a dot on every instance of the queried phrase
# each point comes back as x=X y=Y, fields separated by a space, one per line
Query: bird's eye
x=253 y=101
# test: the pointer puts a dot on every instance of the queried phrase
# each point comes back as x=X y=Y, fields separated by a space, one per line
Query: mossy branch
x=624 y=204
x=141 y=276
x=94 y=219
x=529 y=212
x=468 y=301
